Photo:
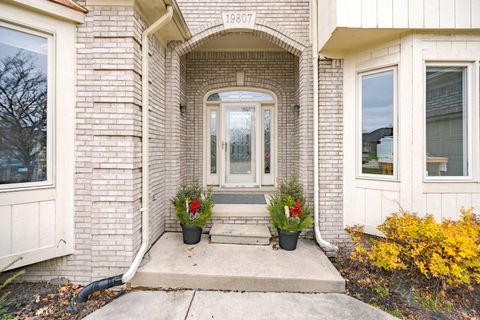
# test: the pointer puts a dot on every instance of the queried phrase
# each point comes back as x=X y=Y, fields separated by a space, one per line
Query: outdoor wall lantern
x=296 y=108
x=183 y=108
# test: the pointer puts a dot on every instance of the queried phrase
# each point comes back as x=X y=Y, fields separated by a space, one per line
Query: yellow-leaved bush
x=448 y=251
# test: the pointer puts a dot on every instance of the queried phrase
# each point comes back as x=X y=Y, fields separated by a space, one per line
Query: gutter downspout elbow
x=127 y=276
x=314 y=34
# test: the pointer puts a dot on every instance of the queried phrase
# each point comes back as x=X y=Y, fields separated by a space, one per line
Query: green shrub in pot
x=193 y=205
x=289 y=213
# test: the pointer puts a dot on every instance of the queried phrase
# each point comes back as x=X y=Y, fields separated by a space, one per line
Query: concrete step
x=240 y=234
x=172 y=264
x=240 y=210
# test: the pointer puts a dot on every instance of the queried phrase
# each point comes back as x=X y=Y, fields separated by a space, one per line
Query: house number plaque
x=238 y=19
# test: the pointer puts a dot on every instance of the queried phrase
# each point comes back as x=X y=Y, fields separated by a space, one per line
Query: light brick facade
x=108 y=123
x=330 y=150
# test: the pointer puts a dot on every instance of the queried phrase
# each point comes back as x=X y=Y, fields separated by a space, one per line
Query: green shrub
x=447 y=251
x=290 y=194
x=193 y=204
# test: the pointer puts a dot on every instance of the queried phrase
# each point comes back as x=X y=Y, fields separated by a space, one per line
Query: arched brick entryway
x=298 y=142
x=261 y=29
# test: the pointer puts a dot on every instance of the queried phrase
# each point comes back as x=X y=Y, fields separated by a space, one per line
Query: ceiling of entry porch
x=238 y=42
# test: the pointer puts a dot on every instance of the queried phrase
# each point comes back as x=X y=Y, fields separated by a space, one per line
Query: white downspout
x=127 y=276
x=314 y=34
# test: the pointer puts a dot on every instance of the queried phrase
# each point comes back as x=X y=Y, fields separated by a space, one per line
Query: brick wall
x=283 y=14
x=330 y=150
x=158 y=157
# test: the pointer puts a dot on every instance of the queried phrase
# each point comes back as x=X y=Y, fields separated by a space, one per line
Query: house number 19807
x=238 y=19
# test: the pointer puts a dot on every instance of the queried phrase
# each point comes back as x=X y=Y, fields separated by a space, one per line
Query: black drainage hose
x=97 y=286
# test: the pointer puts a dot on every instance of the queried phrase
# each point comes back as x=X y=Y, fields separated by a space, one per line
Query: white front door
x=241 y=145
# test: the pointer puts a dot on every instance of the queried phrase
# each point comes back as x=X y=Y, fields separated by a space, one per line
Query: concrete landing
x=210 y=266
x=240 y=234
x=196 y=305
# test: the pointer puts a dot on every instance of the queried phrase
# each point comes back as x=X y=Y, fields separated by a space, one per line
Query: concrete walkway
x=213 y=266
x=190 y=304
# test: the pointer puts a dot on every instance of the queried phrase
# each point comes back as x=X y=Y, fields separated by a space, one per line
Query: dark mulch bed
x=407 y=296
x=44 y=300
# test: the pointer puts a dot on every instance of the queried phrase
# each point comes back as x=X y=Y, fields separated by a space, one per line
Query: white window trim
x=358 y=161
x=468 y=122
x=50 y=181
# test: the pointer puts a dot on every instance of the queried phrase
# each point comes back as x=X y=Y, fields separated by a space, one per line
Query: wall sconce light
x=183 y=108
x=296 y=108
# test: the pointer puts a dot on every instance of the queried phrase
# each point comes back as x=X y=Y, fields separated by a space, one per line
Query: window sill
x=19 y=188
x=449 y=180
x=378 y=178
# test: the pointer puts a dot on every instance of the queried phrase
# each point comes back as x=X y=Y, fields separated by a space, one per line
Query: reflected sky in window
x=377 y=101
x=13 y=41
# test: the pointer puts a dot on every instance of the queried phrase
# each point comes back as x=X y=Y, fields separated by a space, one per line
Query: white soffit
x=344 y=39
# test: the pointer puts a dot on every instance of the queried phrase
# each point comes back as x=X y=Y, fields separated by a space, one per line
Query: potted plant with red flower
x=289 y=213
x=193 y=205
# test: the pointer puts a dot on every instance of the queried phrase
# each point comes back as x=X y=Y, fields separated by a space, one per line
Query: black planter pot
x=191 y=234
x=288 y=239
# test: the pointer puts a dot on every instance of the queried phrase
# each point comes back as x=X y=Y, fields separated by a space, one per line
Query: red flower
x=296 y=211
x=194 y=206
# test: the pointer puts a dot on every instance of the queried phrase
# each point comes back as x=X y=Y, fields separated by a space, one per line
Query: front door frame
x=216 y=180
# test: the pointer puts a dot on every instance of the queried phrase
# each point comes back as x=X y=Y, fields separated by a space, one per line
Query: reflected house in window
x=446 y=143
x=376 y=142
x=377 y=149
x=377 y=122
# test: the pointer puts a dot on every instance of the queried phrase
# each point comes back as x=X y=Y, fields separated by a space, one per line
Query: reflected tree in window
x=23 y=119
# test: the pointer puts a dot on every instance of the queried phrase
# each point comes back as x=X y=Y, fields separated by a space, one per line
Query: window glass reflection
x=23 y=106
x=446 y=143
x=377 y=123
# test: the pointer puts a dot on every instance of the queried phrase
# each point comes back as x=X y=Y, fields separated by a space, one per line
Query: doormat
x=239 y=199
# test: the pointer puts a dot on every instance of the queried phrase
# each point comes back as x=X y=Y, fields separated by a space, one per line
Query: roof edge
x=70 y=4
x=179 y=19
